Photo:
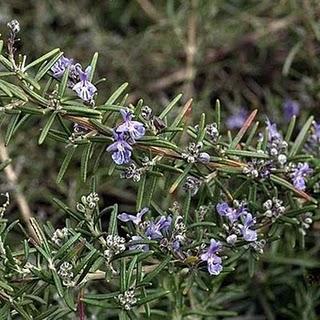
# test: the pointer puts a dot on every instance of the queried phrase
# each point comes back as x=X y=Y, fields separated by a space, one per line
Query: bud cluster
x=127 y=299
x=66 y=274
x=115 y=245
x=273 y=208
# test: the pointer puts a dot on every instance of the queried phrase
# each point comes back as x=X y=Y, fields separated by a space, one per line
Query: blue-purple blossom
x=136 y=219
x=120 y=149
x=237 y=120
x=210 y=256
x=247 y=233
x=84 y=88
x=273 y=132
x=231 y=213
x=61 y=66
x=313 y=143
x=155 y=230
x=299 y=175
x=135 y=129
x=290 y=108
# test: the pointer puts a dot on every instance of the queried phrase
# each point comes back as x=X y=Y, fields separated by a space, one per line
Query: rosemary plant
x=210 y=205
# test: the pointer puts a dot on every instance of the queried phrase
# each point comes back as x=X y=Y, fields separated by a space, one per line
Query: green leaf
x=290 y=128
x=170 y=106
x=93 y=65
x=5 y=88
x=31 y=81
x=47 y=127
x=141 y=191
x=44 y=70
x=180 y=178
x=113 y=221
x=301 y=138
x=123 y=278
x=218 y=114
x=64 y=82
x=245 y=153
x=42 y=58
x=57 y=282
x=289 y=186
x=150 y=297
x=11 y=127
x=69 y=299
x=67 y=245
x=5 y=163
x=65 y=163
x=17 y=92
x=82 y=111
x=157 y=270
x=85 y=161
x=5 y=286
x=290 y=58
x=114 y=97
x=243 y=130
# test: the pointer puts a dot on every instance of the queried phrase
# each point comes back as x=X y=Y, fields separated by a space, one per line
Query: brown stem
x=14 y=184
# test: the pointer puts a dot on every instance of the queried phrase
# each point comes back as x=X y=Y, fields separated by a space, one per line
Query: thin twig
x=13 y=181
x=150 y=10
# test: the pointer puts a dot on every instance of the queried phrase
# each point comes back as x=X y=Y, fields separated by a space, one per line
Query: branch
x=13 y=181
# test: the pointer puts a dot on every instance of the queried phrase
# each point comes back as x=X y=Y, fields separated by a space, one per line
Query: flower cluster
x=192 y=185
x=66 y=274
x=299 y=173
x=127 y=299
x=312 y=145
x=213 y=132
x=88 y=204
x=168 y=231
x=305 y=222
x=124 y=136
x=193 y=153
x=240 y=221
x=290 y=108
x=115 y=245
x=276 y=149
x=276 y=146
x=59 y=236
x=214 y=262
x=273 y=208
x=78 y=80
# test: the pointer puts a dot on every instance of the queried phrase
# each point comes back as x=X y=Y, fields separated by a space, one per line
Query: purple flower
x=125 y=217
x=176 y=245
x=313 y=143
x=290 y=108
x=156 y=229
x=273 y=132
x=299 y=175
x=210 y=256
x=232 y=214
x=135 y=129
x=121 y=149
x=237 y=120
x=84 y=88
x=247 y=233
x=60 y=66
x=136 y=246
